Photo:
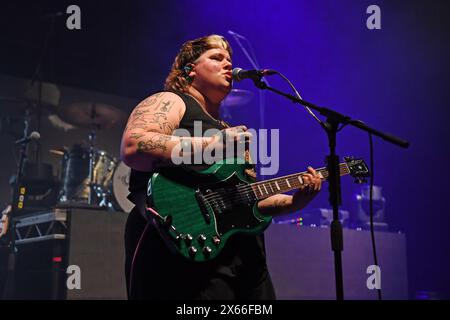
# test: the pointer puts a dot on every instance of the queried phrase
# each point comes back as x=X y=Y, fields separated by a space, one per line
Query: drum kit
x=87 y=175
x=90 y=175
x=106 y=186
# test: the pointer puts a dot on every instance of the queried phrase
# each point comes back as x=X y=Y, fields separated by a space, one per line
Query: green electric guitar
x=197 y=212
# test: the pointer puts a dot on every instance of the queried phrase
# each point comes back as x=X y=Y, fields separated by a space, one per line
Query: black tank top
x=240 y=249
x=194 y=112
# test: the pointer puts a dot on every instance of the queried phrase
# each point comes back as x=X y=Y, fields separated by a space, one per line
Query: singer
x=200 y=78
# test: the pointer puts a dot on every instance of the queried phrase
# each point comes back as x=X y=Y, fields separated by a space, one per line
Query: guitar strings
x=245 y=191
x=234 y=198
x=242 y=193
x=239 y=195
x=249 y=187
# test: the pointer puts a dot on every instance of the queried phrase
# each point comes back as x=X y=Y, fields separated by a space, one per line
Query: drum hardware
x=96 y=186
x=91 y=159
x=17 y=204
x=95 y=116
x=37 y=98
x=120 y=183
x=110 y=179
x=38 y=188
x=15 y=110
x=92 y=114
x=57 y=152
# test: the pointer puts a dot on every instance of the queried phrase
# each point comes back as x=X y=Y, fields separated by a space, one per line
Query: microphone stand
x=334 y=187
x=37 y=76
x=17 y=202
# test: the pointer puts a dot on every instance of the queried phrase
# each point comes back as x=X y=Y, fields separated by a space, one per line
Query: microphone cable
x=299 y=96
x=371 y=214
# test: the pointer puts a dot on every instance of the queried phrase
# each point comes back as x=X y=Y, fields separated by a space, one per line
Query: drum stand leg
x=91 y=168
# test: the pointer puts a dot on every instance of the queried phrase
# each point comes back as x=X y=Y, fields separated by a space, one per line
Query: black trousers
x=158 y=274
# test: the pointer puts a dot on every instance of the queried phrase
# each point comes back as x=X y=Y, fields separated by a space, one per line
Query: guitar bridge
x=204 y=210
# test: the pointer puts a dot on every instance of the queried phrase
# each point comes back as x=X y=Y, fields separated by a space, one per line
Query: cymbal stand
x=92 y=136
x=16 y=204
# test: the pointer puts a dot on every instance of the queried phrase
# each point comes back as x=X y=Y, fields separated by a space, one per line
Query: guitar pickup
x=203 y=208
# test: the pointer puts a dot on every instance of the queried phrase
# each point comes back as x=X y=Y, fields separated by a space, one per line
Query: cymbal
x=237 y=97
x=48 y=93
x=57 y=152
x=92 y=115
x=16 y=106
x=24 y=95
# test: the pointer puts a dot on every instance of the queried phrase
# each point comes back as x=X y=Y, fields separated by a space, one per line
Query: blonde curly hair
x=189 y=52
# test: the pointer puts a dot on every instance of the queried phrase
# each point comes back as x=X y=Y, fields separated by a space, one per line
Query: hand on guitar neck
x=281 y=203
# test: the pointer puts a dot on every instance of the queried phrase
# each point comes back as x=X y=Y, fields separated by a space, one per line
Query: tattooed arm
x=147 y=140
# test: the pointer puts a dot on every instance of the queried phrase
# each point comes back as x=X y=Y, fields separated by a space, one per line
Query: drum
x=74 y=175
x=120 y=183
x=103 y=170
x=110 y=179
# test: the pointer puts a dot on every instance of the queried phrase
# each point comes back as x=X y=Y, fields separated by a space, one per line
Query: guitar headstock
x=357 y=169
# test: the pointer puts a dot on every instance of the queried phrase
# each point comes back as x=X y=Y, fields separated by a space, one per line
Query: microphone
x=33 y=136
x=239 y=74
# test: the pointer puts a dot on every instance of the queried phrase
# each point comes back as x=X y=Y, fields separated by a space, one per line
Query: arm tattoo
x=138 y=113
x=150 y=101
x=131 y=126
x=165 y=106
x=156 y=142
x=136 y=135
x=156 y=117
x=140 y=117
x=167 y=128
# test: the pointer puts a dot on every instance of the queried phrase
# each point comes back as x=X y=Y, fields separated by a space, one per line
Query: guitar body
x=199 y=211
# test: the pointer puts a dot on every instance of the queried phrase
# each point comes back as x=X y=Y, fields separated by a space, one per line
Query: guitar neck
x=267 y=188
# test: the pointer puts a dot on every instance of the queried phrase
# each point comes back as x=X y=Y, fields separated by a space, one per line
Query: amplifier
x=67 y=243
x=302 y=264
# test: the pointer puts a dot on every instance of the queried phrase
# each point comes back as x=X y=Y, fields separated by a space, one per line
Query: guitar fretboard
x=267 y=188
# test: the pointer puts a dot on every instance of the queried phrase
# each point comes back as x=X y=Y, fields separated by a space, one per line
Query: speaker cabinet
x=302 y=264
x=78 y=253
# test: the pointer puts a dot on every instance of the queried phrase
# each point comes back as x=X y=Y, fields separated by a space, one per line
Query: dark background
x=395 y=79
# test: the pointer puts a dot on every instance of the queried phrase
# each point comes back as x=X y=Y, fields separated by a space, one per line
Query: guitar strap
x=247 y=157
x=251 y=171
